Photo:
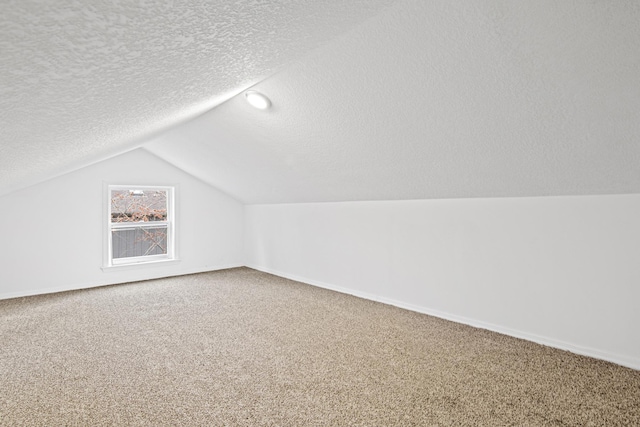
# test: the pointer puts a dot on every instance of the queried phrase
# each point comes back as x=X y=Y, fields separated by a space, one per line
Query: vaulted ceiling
x=84 y=80
x=372 y=100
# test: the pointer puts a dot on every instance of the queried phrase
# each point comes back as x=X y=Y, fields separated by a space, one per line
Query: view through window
x=140 y=224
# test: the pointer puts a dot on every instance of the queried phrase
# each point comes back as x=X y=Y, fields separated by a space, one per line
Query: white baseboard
x=622 y=360
x=76 y=287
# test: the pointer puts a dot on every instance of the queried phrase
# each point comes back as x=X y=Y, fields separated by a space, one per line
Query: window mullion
x=147 y=224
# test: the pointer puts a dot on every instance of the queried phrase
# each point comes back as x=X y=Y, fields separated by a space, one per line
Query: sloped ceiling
x=83 y=80
x=438 y=99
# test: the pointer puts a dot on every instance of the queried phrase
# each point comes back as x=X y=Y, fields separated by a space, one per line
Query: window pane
x=139 y=241
x=133 y=205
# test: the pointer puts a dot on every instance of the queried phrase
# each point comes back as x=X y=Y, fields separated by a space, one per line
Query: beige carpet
x=243 y=348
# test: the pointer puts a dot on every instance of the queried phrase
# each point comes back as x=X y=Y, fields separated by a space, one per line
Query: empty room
x=319 y=213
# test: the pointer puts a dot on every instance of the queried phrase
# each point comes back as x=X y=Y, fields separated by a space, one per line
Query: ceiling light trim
x=258 y=100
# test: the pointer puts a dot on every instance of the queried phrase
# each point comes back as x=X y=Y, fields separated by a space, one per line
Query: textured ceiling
x=82 y=80
x=438 y=99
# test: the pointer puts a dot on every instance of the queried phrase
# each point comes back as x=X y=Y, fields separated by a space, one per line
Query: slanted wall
x=563 y=271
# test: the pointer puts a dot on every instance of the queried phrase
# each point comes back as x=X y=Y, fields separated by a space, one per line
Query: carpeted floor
x=243 y=348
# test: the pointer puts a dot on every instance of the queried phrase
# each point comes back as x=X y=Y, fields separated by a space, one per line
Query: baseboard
x=630 y=362
x=96 y=284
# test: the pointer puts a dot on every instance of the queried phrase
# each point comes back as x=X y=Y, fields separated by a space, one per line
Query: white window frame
x=109 y=261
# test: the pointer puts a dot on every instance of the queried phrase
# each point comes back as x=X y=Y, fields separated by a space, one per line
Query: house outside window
x=140 y=224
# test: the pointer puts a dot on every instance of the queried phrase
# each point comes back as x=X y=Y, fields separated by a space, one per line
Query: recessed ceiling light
x=258 y=100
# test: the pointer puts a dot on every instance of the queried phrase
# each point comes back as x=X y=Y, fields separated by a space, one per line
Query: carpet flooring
x=243 y=348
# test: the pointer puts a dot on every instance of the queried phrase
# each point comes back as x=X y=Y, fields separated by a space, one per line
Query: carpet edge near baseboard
x=97 y=284
x=622 y=360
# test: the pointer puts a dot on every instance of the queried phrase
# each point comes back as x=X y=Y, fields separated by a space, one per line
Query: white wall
x=52 y=233
x=563 y=271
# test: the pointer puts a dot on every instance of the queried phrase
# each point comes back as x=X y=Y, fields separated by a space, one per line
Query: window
x=140 y=224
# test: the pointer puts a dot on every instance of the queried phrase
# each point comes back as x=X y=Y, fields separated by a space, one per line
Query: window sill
x=139 y=265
